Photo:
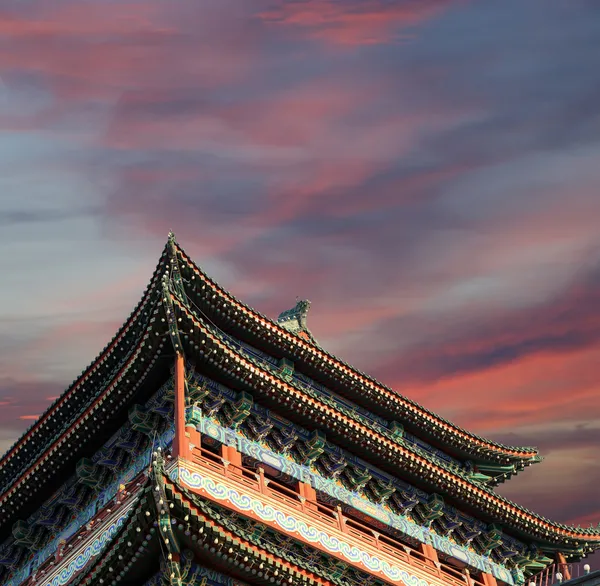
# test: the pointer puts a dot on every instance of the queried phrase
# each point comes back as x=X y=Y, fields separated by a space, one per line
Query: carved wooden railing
x=361 y=534
x=557 y=573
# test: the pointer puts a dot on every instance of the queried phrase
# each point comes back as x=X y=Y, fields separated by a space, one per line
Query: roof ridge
x=529 y=452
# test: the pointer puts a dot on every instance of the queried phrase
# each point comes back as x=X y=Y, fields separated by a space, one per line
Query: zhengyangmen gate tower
x=209 y=445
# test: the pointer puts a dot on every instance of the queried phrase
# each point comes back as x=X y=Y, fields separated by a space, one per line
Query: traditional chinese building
x=208 y=444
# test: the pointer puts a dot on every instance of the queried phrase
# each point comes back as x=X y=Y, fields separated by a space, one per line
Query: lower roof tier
x=173 y=523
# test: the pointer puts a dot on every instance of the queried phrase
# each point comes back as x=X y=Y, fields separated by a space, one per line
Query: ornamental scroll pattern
x=401 y=523
x=92 y=550
x=141 y=462
x=289 y=524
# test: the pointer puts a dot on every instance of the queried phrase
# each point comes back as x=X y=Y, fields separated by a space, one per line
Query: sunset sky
x=426 y=172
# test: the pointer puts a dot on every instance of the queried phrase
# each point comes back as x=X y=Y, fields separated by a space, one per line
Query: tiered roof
x=210 y=320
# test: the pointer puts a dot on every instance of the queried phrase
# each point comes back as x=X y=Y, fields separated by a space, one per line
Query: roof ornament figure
x=294 y=320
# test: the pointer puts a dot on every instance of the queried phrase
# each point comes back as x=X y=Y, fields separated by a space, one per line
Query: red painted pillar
x=309 y=493
x=231 y=454
x=262 y=485
x=488 y=579
x=468 y=577
x=563 y=567
x=192 y=440
x=429 y=552
x=179 y=442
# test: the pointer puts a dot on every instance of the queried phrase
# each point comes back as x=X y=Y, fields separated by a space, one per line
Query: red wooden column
x=180 y=445
x=231 y=454
x=306 y=491
x=429 y=552
x=563 y=567
x=488 y=579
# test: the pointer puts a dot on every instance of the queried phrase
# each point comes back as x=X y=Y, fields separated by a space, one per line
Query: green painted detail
x=90 y=473
x=397 y=430
x=193 y=415
x=536 y=565
x=286 y=369
x=312 y=448
x=257 y=532
x=533 y=561
x=357 y=478
x=142 y=420
x=164 y=523
x=405 y=501
x=478 y=477
x=450 y=522
x=382 y=492
x=196 y=392
x=431 y=510
x=25 y=534
x=338 y=570
x=241 y=409
x=491 y=538
x=495 y=469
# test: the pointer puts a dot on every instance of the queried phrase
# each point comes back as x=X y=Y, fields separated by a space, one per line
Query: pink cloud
x=363 y=23
x=535 y=389
x=89 y=53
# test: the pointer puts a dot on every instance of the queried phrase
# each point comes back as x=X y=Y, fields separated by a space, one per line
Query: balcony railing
x=324 y=514
x=557 y=573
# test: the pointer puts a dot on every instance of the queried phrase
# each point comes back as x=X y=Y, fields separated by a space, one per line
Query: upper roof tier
x=276 y=338
x=226 y=308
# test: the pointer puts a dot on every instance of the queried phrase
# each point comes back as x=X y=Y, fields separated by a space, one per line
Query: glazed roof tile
x=453 y=483
x=525 y=454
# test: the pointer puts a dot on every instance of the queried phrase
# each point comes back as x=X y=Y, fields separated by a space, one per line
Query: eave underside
x=88 y=412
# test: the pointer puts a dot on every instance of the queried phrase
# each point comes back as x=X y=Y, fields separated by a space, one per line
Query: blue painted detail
x=82 y=516
x=337 y=492
x=94 y=549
